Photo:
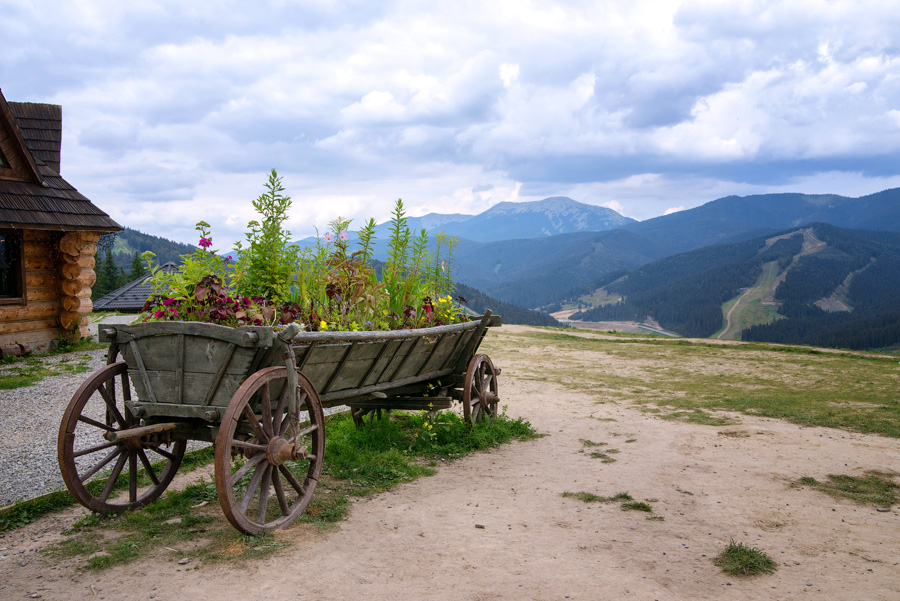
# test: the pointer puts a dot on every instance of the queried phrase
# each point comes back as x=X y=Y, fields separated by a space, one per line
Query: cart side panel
x=196 y=388
x=203 y=366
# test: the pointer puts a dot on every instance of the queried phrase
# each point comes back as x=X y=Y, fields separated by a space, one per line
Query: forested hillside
x=871 y=262
x=479 y=302
x=837 y=287
x=685 y=293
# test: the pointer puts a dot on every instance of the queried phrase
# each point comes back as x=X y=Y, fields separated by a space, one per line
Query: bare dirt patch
x=496 y=526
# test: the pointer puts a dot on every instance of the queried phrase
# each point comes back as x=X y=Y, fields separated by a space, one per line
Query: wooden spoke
x=101 y=464
x=271 y=458
x=241 y=444
x=480 y=390
x=148 y=468
x=98 y=407
x=251 y=420
x=279 y=492
x=292 y=479
x=113 y=476
x=95 y=423
x=254 y=484
x=265 y=403
x=264 y=494
x=94 y=449
x=245 y=469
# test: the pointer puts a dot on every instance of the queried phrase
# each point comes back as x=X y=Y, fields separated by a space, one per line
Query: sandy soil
x=496 y=526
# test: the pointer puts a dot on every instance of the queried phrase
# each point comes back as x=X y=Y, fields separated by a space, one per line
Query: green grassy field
x=690 y=380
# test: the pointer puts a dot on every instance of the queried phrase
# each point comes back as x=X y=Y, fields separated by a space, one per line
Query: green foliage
x=265 y=268
x=182 y=294
x=137 y=268
x=742 y=560
x=874 y=488
x=335 y=289
x=637 y=506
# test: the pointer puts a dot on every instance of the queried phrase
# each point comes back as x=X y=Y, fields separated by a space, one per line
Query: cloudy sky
x=174 y=111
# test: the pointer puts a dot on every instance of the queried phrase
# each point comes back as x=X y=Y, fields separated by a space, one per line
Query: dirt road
x=496 y=525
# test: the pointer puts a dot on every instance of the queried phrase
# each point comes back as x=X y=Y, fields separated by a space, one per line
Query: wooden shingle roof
x=32 y=192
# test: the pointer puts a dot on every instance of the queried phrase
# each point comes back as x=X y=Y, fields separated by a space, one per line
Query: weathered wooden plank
x=339 y=367
x=134 y=353
x=382 y=348
x=179 y=368
x=196 y=387
x=223 y=366
x=405 y=403
x=264 y=334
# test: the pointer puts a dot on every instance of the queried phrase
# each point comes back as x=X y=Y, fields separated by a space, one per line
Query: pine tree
x=106 y=277
x=137 y=268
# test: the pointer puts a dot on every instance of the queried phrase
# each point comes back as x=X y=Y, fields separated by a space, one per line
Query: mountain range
x=542 y=253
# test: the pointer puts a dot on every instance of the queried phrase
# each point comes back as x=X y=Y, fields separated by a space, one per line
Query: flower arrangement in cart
x=326 y=287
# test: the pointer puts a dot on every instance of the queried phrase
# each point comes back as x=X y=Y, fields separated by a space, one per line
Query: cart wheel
x=98 y=408
x=480 y=392
x=363 y=415
x=256 y=454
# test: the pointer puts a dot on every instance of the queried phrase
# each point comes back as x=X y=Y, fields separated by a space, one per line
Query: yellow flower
x=323 y=325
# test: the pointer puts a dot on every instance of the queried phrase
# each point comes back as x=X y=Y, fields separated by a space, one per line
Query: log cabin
x=48 y=233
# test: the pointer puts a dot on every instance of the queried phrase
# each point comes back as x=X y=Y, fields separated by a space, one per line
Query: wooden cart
x=258 y=395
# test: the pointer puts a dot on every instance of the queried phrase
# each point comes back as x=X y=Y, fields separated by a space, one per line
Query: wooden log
x=16 y=327
x=79 y=260
x=42 y=294
x=90 y=236
x=70 y=287
x=87 y=305
x=71 y=243
x=69 y=319
x=41 y=279
x=33 y=338
x=35 y=310
x=39 y=262
x=70 y=303
x=70 y=271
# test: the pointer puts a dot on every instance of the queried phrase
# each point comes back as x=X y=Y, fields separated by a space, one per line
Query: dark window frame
x=16 y=261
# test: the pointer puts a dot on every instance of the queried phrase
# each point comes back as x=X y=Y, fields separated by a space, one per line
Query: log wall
x=59 y=273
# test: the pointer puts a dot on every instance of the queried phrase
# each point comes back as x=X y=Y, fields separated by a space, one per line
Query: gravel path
x=29 y=422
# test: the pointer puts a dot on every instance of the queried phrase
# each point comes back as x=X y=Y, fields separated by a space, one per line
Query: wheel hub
x=279 y=451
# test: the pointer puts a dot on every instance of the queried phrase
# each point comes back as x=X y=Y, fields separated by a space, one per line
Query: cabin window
x=4 y=164
x=12 y=280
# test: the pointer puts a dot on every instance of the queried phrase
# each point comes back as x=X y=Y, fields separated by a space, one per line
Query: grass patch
x=853 y=391
x=22 y=513
x=358 y=462
x=697 y=416
x=18 y=372
x=741 y=560
x=592 y=498
x=874 y=488
x=627 y=501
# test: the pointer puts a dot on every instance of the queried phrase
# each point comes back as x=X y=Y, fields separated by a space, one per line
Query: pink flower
x=228 y=258
x=328 y=237
x=205 y=242
x=169 y=301
x=174 y=312
x=158 y=314
x=343 y=236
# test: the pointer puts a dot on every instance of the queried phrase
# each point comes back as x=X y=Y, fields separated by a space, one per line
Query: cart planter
x=258 y=396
